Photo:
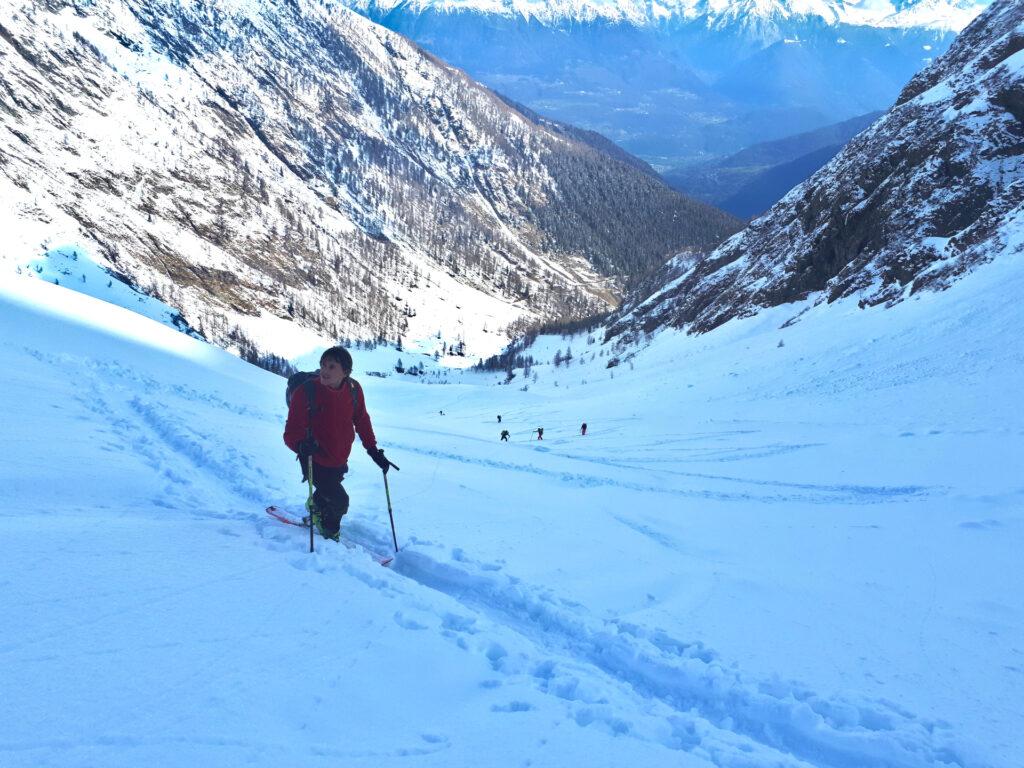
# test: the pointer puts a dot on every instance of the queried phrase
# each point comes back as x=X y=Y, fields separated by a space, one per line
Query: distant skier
x=540 y=433
x=499 y=418
x=441 y=412
x=504 y=435
x=583 y=429
x=325 y=429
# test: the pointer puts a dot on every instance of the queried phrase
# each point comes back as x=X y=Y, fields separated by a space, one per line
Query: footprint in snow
x=512 y=706
x=456 y=623
x=459 y=556
x=496 y=655
x=407 y=623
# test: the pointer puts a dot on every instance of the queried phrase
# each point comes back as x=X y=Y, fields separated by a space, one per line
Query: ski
x=284 y=517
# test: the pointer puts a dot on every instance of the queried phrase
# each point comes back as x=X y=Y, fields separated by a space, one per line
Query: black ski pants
x=328 y=495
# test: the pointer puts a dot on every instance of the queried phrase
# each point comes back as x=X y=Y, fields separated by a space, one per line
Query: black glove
x=307 y=448
x=380 y=461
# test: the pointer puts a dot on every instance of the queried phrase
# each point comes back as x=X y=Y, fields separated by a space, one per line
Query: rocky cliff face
x=930 y=191
x=293 y=160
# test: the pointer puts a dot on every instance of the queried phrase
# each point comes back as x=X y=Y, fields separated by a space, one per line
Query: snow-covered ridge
x=925 y=195
x=932 y=14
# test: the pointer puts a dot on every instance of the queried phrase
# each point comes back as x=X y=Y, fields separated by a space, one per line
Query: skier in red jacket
x=338 y=413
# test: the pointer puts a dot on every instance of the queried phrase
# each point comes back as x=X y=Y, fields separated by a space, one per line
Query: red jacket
x=334 y=422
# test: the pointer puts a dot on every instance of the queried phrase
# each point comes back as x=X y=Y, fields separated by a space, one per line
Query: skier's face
x=332 y=374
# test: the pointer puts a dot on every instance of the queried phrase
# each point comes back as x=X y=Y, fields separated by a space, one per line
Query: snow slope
x=793 y=547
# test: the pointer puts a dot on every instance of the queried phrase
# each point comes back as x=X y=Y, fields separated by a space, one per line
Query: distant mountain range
x=932 y=190
x=749 y=182
x=680 y=82
x=252 y=163
x=757 y=15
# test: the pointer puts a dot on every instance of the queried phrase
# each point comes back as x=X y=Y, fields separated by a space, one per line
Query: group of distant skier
x=505 y=434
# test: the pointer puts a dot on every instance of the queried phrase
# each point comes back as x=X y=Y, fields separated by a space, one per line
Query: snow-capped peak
x=938 y=14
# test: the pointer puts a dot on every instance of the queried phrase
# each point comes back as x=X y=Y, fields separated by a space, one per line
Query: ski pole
x=394 y=536
x=309 y=501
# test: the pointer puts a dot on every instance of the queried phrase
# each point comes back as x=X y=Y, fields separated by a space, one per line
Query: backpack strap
x=357 y=396
x=309 y=385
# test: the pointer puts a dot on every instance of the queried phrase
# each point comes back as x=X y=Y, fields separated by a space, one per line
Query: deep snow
x=804 y=554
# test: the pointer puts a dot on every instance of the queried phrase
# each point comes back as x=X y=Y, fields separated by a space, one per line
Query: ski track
x=148 y=426
x=811 y=493
x=285 y=750
x=191 y=443
x=860 y=492
x=690 y=680
x=651 y=533
x=706 y=708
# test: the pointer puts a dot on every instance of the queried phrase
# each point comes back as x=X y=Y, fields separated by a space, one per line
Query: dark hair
x=339 y=355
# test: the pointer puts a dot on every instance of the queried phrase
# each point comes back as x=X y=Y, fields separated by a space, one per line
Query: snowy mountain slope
x=925 y=195
x=73 y=269
x=249 y=162
x=760 y=555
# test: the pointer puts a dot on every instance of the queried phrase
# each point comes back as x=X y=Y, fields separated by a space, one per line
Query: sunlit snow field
x=759 y=555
